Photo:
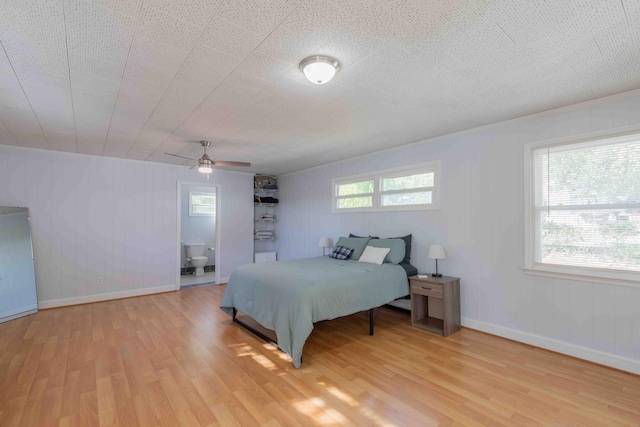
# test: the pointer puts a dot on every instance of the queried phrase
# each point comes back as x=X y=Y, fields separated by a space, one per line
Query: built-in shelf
x=265 y=218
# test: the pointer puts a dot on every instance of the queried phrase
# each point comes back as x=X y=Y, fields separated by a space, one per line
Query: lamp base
x=436 y=273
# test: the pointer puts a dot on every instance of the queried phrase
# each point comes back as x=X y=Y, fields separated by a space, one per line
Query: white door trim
x=218 y=188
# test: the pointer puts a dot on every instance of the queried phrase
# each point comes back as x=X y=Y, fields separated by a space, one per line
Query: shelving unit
x=265 y=219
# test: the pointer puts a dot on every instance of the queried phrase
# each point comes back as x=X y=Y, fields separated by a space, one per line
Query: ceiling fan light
x=205 y=165
x=319 y=69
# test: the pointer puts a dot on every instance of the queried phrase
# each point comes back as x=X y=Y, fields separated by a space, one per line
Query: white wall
x=94 y=216
x=481 y=225
x=17 y=280
x=197 y=229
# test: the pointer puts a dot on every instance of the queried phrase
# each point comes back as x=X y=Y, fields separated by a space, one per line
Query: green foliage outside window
x=363 y=187
x=408 y=182
x=203 y=204
x=603 y=184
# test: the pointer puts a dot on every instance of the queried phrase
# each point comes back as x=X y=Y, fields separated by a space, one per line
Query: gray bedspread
x=290 y=296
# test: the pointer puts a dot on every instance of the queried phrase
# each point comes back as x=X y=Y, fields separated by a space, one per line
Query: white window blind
x=587 y=205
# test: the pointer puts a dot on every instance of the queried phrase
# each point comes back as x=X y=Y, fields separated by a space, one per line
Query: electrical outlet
x=99 y=281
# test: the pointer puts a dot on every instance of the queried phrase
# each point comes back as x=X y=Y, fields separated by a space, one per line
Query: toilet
x=195 y=256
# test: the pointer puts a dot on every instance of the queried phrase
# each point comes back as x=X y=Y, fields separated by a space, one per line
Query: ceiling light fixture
x=205 y=165
x=319 y=69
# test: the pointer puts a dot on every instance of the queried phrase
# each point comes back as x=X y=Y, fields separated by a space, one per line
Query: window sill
x=400 y=208
x=597 y=276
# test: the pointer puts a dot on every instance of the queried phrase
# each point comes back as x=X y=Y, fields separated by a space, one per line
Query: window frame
x=377 y=195
x=201 y=193
x=352 y=180
x=531 y=227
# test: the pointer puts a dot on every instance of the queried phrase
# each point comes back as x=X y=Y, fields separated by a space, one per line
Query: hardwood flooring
x=175 y=359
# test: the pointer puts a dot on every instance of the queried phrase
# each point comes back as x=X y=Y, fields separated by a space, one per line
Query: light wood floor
x=176 y=359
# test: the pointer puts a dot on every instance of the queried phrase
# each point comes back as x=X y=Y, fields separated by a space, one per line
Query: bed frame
x=267 y=339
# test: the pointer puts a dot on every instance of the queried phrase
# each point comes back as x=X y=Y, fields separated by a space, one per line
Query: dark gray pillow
x=356 y=243
x=409 y=269
x=407 y=248
x=360 y=237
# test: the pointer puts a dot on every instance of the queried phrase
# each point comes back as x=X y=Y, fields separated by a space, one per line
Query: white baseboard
x=224 y=280
x=602 y=358
x=20 y=312
x=104 y=297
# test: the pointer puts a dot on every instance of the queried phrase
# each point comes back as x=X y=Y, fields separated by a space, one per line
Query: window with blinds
x=586 y=205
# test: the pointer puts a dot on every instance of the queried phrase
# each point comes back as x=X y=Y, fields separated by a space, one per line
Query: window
x=584 y=208
x=202 y=204
x=407 y=188
x=358 y=194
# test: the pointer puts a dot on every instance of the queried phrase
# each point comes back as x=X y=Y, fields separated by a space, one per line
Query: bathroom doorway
x=198 y=234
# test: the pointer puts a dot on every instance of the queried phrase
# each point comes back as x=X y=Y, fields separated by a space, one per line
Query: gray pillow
x=356 y=243
x=407 y=255
x=397 y=246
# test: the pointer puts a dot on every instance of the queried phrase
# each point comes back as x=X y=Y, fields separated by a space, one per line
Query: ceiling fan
x=205 y=164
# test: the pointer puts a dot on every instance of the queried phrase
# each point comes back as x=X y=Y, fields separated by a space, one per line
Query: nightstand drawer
x=426 y=289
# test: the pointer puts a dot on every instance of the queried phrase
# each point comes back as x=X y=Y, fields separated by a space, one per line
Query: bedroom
x=116 y=217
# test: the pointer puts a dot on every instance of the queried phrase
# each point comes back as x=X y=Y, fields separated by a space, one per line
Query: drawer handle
x=428 y=289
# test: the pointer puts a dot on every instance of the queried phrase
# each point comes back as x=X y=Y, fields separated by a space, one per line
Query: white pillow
x=374 y=255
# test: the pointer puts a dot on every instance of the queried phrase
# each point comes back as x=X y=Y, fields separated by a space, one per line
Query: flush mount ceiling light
x=319 y=69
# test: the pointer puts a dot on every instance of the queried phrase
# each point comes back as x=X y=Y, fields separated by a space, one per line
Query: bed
x=288 y=297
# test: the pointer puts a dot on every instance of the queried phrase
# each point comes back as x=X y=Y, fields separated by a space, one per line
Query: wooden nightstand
x=447 y=291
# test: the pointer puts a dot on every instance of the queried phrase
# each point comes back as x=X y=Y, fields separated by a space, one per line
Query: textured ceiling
x=138 y=78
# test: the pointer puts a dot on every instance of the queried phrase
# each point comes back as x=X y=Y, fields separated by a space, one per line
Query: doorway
x=198 y=234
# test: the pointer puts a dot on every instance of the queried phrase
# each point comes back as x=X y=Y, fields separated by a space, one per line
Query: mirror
x=17 y=274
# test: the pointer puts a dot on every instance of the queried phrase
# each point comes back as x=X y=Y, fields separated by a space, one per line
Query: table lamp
x=325 y=242
x=436 y=252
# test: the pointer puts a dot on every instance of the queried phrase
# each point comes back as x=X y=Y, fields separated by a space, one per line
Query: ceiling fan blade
x=194 y=166
x=223 y=163
x=182 y=157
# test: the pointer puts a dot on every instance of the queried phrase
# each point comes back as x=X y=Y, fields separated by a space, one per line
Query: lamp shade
x=325 y=242
x=436 y=252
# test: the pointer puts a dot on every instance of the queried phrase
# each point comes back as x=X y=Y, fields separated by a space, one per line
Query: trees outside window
x=586 y=205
